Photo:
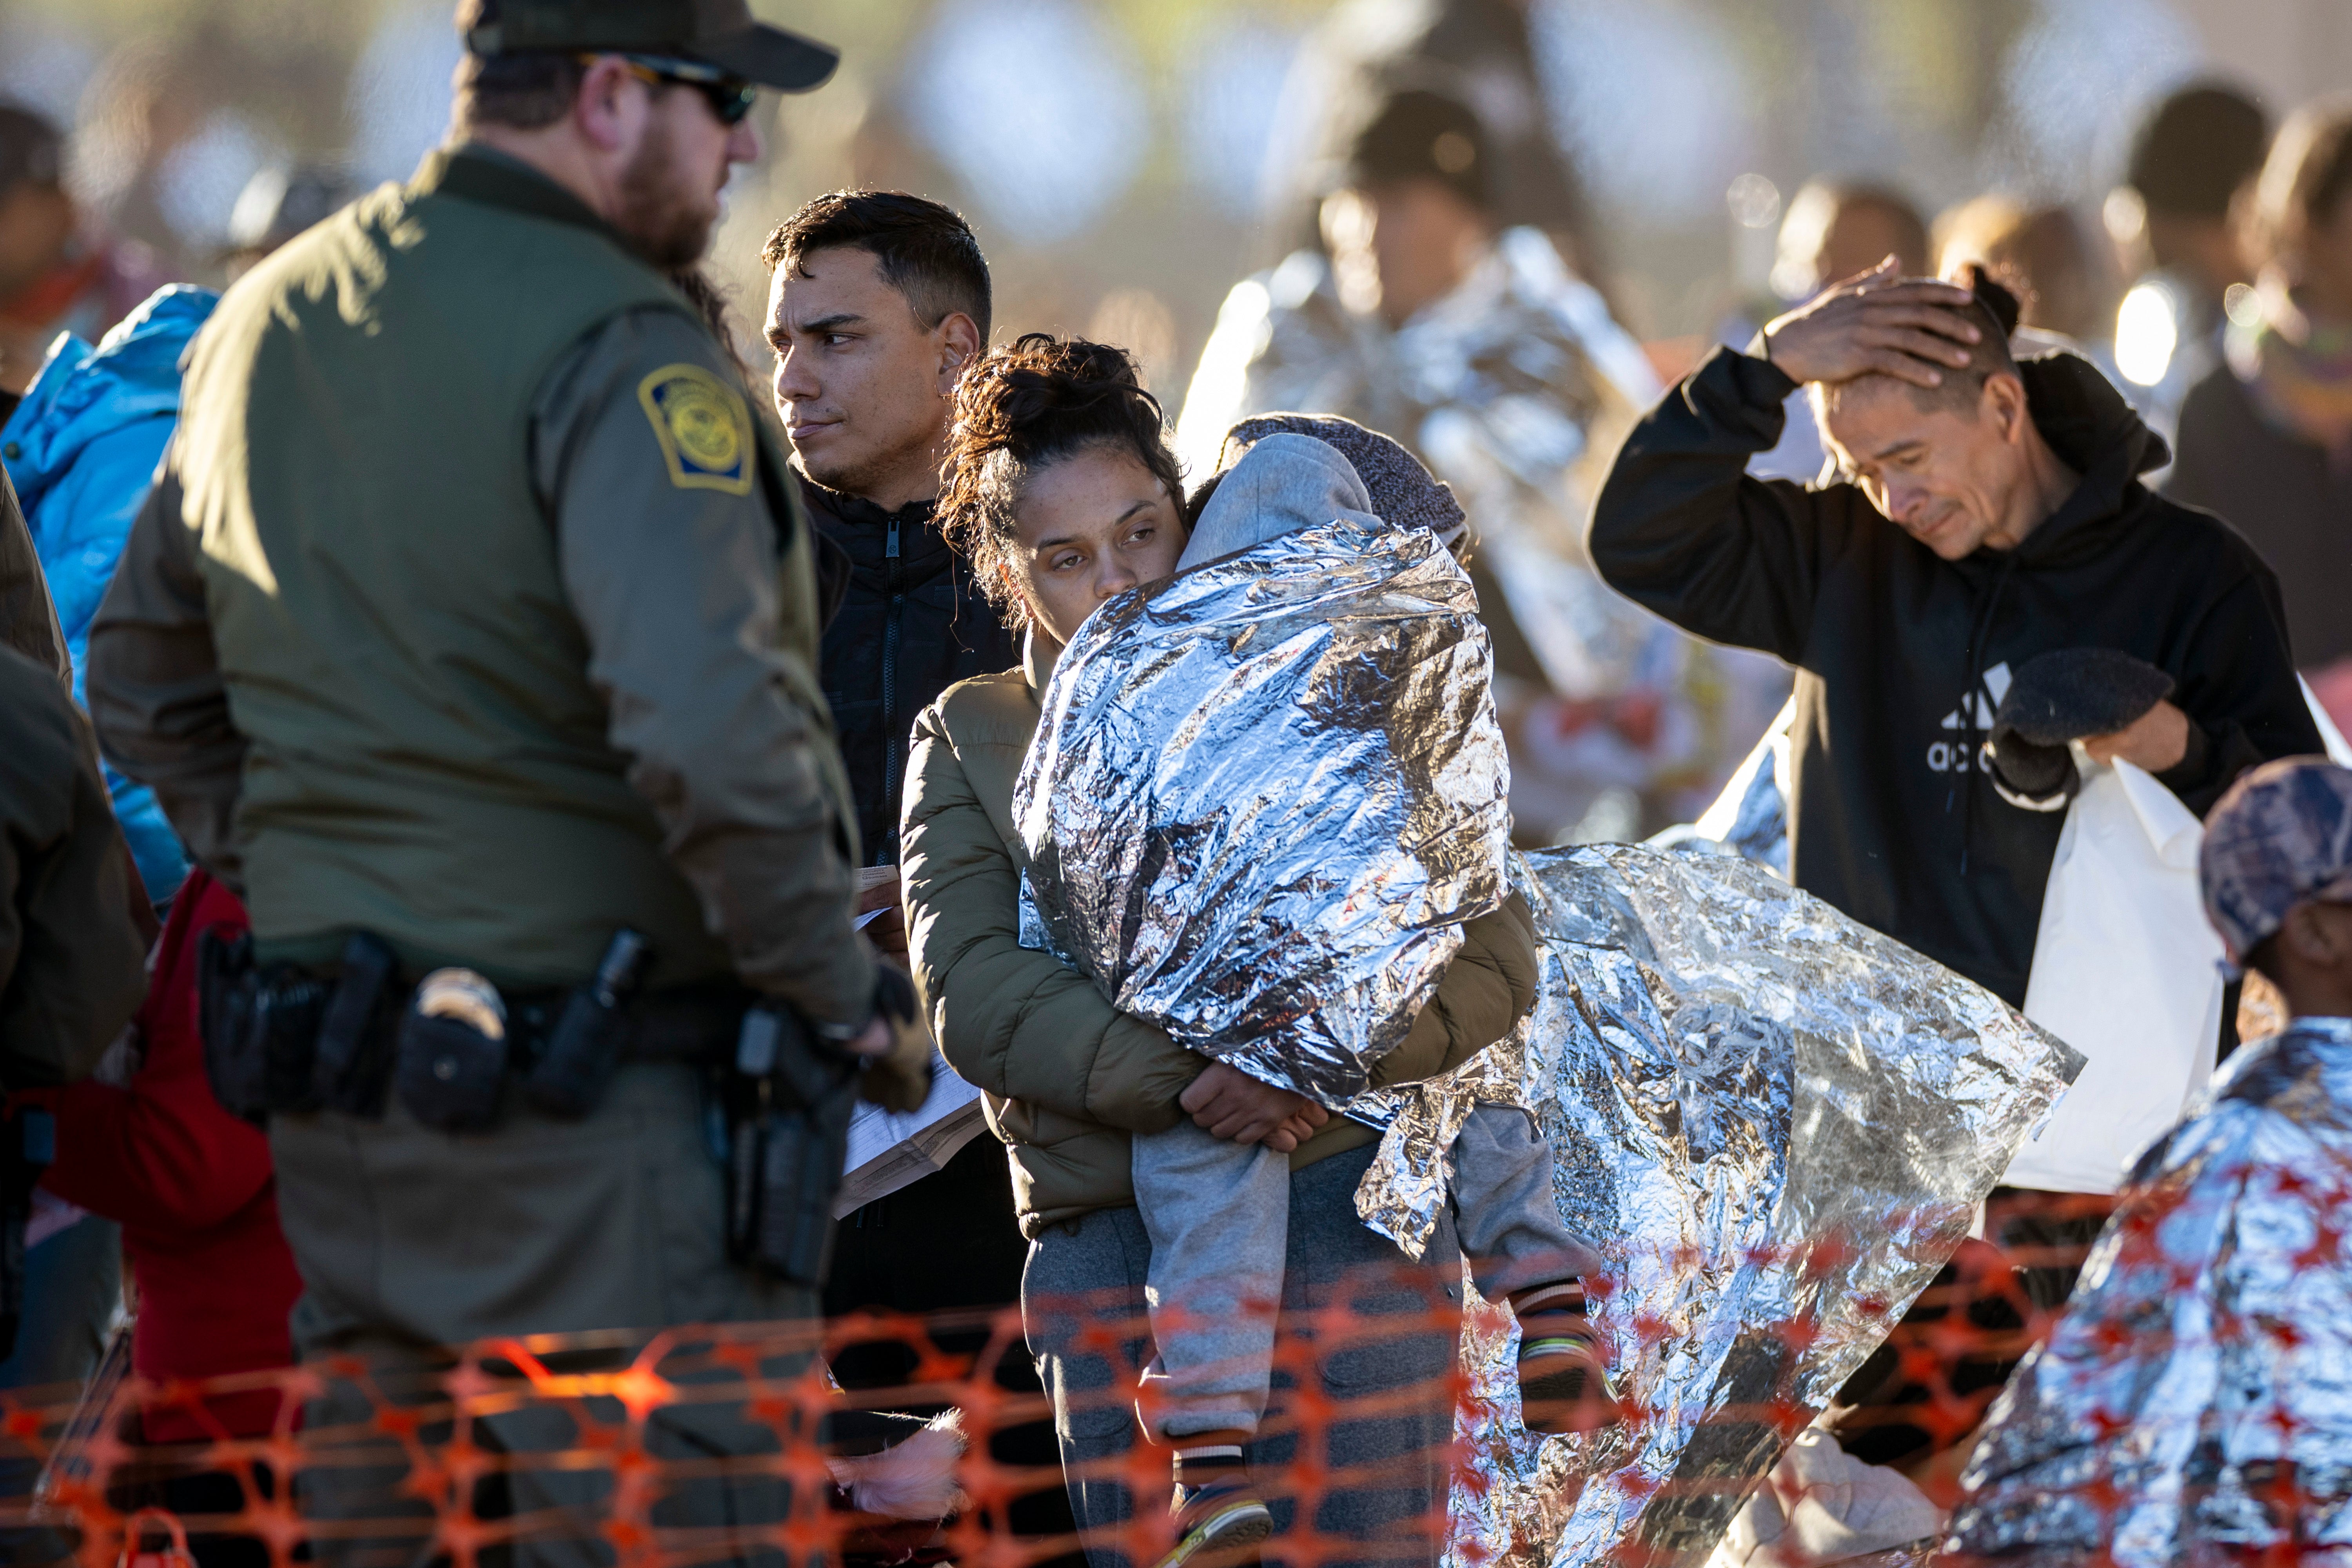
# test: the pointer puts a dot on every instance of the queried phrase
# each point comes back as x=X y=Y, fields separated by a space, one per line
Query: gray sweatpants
x=1217 y=1214
x=1373 y=1471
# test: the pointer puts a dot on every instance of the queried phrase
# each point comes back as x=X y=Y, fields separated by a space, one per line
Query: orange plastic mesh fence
x=714 y=1444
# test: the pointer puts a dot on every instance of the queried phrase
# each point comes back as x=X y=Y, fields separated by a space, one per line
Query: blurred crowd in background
x=1695 y=165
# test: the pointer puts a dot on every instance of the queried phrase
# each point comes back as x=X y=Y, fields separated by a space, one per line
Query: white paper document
x=888 y=1150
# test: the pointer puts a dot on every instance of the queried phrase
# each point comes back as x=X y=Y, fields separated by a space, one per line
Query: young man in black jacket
x=877 y=300
x=1989 y=512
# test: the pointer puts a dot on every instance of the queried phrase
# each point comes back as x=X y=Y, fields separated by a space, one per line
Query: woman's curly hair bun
x=1026 y=405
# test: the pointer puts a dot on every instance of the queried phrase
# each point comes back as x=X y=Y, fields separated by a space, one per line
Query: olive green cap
x=721 y=33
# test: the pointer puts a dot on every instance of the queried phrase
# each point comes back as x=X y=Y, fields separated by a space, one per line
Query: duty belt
x=290 y=1038
x=285 y=1040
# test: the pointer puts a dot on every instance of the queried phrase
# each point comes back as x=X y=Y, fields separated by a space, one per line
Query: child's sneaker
x=1563 y=1374
x=1564 y=1385
x=1218 y=1524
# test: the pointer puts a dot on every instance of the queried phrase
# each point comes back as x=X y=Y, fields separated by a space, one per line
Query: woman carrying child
x=1061 y=486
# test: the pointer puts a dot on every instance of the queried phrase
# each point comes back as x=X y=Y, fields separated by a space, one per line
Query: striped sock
x=1198 y=1464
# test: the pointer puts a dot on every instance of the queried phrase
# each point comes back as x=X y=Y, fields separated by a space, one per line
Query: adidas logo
x=1952 y=756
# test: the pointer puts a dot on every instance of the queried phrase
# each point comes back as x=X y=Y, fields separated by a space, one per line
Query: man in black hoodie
x=1989 y=512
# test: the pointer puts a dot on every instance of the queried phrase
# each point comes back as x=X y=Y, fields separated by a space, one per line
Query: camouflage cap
x=2281 y=837
x=720 y=33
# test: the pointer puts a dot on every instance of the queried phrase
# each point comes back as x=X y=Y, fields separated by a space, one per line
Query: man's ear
x=603 y=112
x=2319 y=934
x=960 y=344
x=2004 y=399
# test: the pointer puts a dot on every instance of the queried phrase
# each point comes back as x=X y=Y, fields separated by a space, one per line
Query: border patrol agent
x=471 y=630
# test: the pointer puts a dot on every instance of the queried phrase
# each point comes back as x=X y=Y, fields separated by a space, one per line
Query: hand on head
x=1922 y=407
x=1876 y=323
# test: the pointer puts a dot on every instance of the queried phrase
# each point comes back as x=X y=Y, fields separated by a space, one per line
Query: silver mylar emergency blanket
x=1263 y=796
x=1773 y=1121
x=2194 y=1405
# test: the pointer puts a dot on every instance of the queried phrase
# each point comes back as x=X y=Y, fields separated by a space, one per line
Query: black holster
x=788 y=1099
x=260 y=1027
x=354 y=1054
x=284 y=1039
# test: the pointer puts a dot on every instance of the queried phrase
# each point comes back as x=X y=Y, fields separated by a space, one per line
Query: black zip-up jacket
x=1901 y=656
x=911 y=624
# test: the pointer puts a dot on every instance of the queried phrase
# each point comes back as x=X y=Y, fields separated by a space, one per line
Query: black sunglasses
x=731 y=98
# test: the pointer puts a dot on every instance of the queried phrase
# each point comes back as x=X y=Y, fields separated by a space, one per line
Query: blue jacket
x=83 y=449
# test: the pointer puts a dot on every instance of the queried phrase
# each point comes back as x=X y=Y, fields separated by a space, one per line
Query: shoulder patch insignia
x=703 y=427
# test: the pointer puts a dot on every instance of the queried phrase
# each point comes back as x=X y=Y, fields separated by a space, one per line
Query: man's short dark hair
x=2193 y=152
x=1416 y=134
x=926 y=250
x=524 y=91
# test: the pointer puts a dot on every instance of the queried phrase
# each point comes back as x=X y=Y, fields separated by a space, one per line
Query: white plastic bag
x=2127 y=971
x=1820 y=1505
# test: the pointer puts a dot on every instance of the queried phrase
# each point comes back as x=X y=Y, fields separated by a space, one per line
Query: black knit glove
x=2070 y=694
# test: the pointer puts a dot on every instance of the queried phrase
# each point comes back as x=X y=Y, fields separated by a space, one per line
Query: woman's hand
x=1226 y=1103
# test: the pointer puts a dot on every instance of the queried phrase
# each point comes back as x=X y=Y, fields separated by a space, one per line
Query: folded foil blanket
x=1774 y=1124
x=1265 y=795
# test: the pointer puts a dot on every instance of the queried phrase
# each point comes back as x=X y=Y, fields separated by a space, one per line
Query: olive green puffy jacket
x=1066 y=1076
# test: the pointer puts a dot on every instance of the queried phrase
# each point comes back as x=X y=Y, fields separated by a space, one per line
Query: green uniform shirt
x=474 y=610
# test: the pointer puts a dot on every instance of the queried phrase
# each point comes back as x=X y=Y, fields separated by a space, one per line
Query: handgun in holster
x=790 y=1099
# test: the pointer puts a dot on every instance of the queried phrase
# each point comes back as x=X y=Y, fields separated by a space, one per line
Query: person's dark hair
x=1418 y=134
x=2306 y=181
x=1025 y=407
x=925 y=250
x=1994 y=313
x=1815 y=210
x=523 y=92
x=709 y=301
x=2196 y=150
x=31 y=151
x=2262 y=958
x=1198 y=501
x=1901 y=215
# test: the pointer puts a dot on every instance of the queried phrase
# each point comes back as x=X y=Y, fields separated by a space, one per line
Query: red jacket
x=192 y=1187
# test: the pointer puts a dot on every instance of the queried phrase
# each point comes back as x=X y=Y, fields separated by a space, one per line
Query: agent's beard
x=659 y=216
